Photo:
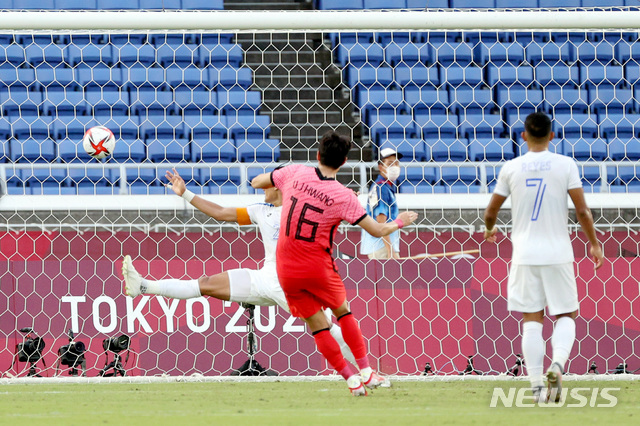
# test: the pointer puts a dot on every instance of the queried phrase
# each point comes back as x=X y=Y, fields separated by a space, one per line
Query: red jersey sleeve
x=353 y=210
x=280 y=175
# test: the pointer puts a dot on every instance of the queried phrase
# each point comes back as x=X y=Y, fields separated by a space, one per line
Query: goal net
x=448 y=90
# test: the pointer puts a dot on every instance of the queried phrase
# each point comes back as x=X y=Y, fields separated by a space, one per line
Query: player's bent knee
x=215 y=286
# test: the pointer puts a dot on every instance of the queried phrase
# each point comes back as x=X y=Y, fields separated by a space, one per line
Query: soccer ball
x=99 y=142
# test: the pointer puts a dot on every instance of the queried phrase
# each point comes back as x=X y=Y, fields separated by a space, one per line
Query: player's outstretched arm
x=381 y=229
x=262 y=181
x=491 y=216
x=583 y=214
x=228 y=214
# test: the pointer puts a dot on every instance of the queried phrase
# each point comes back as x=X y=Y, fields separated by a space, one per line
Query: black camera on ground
x=116 y=344
x=30 y=350
x=72 y=355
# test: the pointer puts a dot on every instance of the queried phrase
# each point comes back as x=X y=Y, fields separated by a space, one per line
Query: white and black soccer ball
x=99 y=142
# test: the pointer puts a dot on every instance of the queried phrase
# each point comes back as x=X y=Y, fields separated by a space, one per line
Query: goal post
x=61 y=251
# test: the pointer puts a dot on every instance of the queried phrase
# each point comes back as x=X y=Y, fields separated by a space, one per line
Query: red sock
x=353 y=338
x=328 y=347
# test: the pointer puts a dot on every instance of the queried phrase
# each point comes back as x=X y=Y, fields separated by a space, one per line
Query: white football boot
x=355 y=386
x=554 y=383
x=132 y=279
x=374 y=380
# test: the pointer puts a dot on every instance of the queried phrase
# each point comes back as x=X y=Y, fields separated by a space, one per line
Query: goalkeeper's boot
x=539 y=394
x=554 y=382
x=132 y=279
x=374 y=380
x=355 y=386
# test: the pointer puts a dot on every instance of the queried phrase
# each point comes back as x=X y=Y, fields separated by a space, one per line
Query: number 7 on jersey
x=537 y=204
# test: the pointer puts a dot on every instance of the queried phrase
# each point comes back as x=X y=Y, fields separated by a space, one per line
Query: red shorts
x=306 y=296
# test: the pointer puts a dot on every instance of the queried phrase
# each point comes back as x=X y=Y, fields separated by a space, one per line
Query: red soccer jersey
x=312 y=208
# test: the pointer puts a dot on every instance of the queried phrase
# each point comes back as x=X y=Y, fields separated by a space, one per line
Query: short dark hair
x=538 y=125
x=333 y=149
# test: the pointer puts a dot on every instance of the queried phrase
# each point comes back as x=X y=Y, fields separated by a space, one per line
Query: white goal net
x=223 y=106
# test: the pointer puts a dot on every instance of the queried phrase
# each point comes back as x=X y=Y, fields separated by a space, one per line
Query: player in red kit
x=314 y=204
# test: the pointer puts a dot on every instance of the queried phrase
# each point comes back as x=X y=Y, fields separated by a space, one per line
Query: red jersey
x=312 y=208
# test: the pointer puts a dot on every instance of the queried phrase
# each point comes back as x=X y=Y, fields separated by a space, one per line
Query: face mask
x=393 y=172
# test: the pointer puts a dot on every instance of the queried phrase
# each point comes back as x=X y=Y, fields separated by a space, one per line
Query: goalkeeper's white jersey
x=538 y=183
x=267 y=217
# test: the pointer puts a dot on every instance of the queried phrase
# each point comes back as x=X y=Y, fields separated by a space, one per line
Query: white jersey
x=538 y=183
x=267 y=217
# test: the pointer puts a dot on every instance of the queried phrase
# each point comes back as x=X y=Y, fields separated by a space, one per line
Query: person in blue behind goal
x=541 y=271
x=248 y=286
x=382 y=206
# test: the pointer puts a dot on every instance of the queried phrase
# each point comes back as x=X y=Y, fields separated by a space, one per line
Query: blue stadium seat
x=472 y=4
x=13 y=54
x=385 y=4
x=203 y=4
x=55 y=78
x=373 y=102
x=34 y=4
x=196 y=102
x=392 y=127
x=32 y=150
x=350 y=38
x=626 y=51
x=70 y=151
x=515 y=4
x=595 y=74
x=498 y=53
x=456 y=75
x=422 y=4
x=182 y=55
x=90 y=54
x=605 y=98
x=421 y=188
x=244 y=127
x=575 y=125
x=553 y=4
x=205 y=127
x=418 y=176
x=412 y=149
x=448 y=149
x=602 y=3
x=602 y=52
x=117 y=4
x=548 y=53
x=624 y=149
x=471 y=100
x=437 y=125
x=619 y=125
x=385 y=38
x=266 y=150
x=490 y=149
x=75 y=4
x=130 y=151
x=423 y=100
x=459 y=177
x=214 y=176
x=509 y=75
x=338 y=4
x=518 y=98
x=149 y=102
x=452 y=53
x=138 y=77
x=162 y=4
x=17 y=77
x=208 y=39
x=107 y=102
x=213 y=150
x=514 y=120
x=42 y=178
x=99 y=78
x=436 y=37
x=124 y=127
x=168 y=149
x=631 y=72
x=231 y=78
x=585 y=149
x=72 y=128
x=418 y=75
x=239 y=102
x=558 y=99
x=219 y=55
x=555 y=145
x=369 y=76
x=57 y=103
x=623 y=175
x=128 y=54
x=141 y=176
x=171 y=39
x=559 y=74
x=407 y=54
x=359 y=54
x=162 y=127
x=187 y=77
x=51 y=54
x=473 y=125
x=17 y=101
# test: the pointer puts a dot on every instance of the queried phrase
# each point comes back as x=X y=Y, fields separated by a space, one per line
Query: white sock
x=336 y=332
x=564 y=334
x=175 y=289
x=533 y=351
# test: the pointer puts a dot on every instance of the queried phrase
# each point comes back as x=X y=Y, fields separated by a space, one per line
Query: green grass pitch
x=297 y=403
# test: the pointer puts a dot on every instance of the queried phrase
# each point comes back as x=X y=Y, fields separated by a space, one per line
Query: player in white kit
x=255 y=287
x=541 y=273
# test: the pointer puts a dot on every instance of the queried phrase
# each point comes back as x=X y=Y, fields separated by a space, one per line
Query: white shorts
x=256 y=287
x=532 y=287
